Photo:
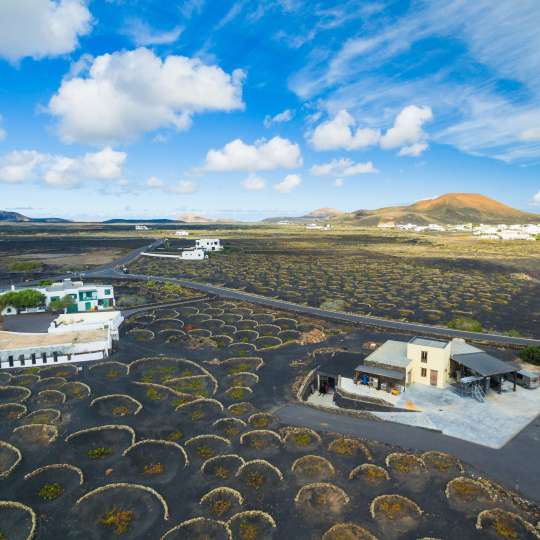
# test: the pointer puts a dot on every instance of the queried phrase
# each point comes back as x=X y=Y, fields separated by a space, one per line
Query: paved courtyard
x=492 y=423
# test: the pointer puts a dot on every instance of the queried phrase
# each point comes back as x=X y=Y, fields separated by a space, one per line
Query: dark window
x=34 y=358
x=44 y=356
x=55 y=356
x=10 y=360
x=424 y=356
x=424 y=372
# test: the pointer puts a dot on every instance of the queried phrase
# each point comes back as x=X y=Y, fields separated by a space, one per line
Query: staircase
x=478 y=393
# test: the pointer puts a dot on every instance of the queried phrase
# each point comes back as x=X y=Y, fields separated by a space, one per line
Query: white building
x=85 y=297
x=193 y=254
x=19 y=350
x=316 y=226
x=182 y=233
x=141 y=228
x=208 y=244
x=77 y=322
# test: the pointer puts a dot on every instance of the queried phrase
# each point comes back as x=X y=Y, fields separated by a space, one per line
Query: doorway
x=433 y=377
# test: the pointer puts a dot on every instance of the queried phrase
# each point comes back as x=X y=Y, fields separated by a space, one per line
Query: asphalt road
x=516 y=465
x=400 y=326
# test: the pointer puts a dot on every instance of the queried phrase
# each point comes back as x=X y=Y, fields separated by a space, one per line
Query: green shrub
x=50 y=492
x=466 y=324
x=531 y=355
x=24 y=266
x=100 y=452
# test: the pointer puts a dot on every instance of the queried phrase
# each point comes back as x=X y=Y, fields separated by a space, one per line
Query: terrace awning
x=381 y=372
x=484 y=364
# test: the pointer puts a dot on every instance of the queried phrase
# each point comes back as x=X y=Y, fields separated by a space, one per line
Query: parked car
x=528 y=379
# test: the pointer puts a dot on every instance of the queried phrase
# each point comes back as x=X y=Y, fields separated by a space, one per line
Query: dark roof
x=484 y=364
x=381 y=372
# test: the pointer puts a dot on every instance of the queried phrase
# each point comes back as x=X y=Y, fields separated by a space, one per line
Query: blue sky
x=254 y=108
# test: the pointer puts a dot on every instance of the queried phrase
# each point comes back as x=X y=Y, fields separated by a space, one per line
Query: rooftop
x=390 y=353
x=381 y=372
x=85 y=317
x=16 y=340
x=484 y=364
x=429 y=342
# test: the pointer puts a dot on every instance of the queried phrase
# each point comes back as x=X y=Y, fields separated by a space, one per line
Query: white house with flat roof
x=20 y=350
x=76 y=322
x=208 y=244
x=85 y=297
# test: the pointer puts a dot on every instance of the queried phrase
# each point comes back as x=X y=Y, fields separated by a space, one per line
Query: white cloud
x=184 y=187
x=124 y=94
x=413 y=150
x=536 y=198
x=343 y=167
x=532 y=134
x=41 y=28
x=407 y=129
x=181 y=187
x=155 y=182
x=18 y=166
x=339 y=133
x=338 y=182
x=290 y=182
x=58 y=170
x=3 y=132
x=254 y=183
x=280 y=118
x=143 y=34
x=262 y=156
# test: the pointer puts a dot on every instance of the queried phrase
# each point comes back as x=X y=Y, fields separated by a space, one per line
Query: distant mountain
x=324 y=213
x=194 y=218
x=314 y=215
x=20 y=218
x=451 y=208
x=136 y=221
x=12 y=216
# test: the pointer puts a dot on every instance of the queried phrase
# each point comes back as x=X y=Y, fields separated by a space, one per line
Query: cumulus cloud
x=41 y=28
x=414 y=150
x=290 y=182
x=340 y=133
x=155 y=182
x=532 y=134
x=263 y=155
x=181 y=187
x=62 y=171
x=280 y=118
x=254 y=183
x=142 y=34
x=120 y=96
x=407 y=130
x=343 y=167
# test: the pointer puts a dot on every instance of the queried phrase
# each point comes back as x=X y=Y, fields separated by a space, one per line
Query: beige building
x=429 y=362
x=396 y=364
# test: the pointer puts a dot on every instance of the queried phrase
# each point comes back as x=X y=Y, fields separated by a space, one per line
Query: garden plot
x=420 y=290
x=177 y=439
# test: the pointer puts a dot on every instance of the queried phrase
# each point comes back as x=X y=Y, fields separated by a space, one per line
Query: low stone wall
x=346 y=402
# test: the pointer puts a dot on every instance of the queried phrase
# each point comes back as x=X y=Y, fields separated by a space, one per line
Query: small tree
x=62 y=303
x=27 y=298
